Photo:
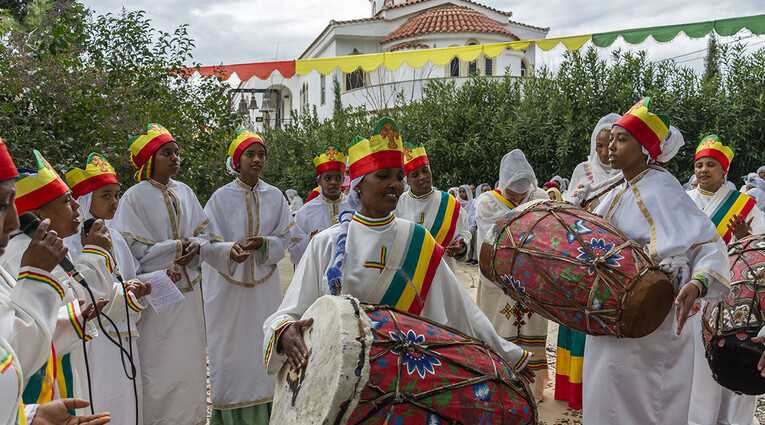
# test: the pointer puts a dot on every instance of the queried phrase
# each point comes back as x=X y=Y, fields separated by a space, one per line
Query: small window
x=355 y=79
x=323 y=87
x=454 y=67
x=304 y=96
x=472 y=68
x=488 y=67
x=524 y=68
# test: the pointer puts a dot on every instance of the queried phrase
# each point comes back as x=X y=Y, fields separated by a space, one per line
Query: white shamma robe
x=239 y=297
x=648 y=380
x=319 y=213
x=424 y=210
x=446 y=302
x=712 y=403
x=153 y=218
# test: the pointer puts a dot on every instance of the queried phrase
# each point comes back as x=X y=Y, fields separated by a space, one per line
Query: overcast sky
x=231 y=31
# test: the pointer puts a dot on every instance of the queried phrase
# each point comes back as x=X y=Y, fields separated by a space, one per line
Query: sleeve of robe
x=462 y=232
x=275 y=244
x=299 y=237
x=216 y=253
x=578 y=177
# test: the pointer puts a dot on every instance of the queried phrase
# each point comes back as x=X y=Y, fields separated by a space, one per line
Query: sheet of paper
x=164 y=293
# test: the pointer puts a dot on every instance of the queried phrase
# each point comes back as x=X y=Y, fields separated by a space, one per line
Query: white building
x=394 y=26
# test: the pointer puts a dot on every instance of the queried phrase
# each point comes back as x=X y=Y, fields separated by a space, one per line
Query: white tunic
x=154 y=218
x=647 y=380
x=28 y=317
x=712 y=403
x=423 y=210
x=319 y=213
x=112 y=390
x=239 y=297
x=446 y=302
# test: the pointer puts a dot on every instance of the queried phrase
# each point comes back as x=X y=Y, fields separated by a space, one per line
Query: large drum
x=577 y=269
x=729 y=326
x=375 y=365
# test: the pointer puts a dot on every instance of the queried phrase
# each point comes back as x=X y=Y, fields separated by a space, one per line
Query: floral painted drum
x=371 y=364
x=729 y=326
x=577 y=269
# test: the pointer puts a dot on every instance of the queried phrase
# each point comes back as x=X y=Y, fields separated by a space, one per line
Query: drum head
x=734 y=365
x=326 y=390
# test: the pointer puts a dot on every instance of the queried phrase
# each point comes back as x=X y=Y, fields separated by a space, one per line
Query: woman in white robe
x=647 y=380
x=596 y=169
x=251 y=217
x=510 y=319
x=295 y=201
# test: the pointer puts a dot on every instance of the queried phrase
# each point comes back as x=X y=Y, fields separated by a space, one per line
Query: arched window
x=524 y=67
x=454 y=67
x=472 y=65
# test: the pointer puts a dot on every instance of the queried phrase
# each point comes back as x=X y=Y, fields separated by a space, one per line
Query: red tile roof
x=530 y=26
x=409 y=45
x=448 y=18
x=410 y=2
x=353 y=21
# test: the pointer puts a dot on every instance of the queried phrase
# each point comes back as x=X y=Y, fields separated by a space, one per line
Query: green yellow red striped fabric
x=6 y=359
x=414 y=157
x=98 y=172
x=142 y=149
x=330 y=158
x=507 y=202
x=409 y=288
x=275 y=336
x=382 y=150
x=131 y=302
x=101 y=253
x=236 y=147
x=445 y=224
x=735 y=203
x=648 y=128
x=79 y=326
x=35 y=189
x=48 y=280
x=711 y=146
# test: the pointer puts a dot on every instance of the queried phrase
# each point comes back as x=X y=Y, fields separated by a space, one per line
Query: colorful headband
x=35 y=189
x=414 y=157
x=331 y=158
x=142 y=149
x=648 y=128
x=244 y=138
x=382 y=150
x=712 y=147
x=98 y=172
x=7 y=167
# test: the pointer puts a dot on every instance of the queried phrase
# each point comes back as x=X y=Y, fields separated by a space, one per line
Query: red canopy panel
x=245 y=71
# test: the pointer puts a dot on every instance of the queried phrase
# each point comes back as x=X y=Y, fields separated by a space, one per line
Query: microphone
x=28 y=225
x=88 y=224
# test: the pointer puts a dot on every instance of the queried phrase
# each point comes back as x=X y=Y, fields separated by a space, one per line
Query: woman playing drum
x=647 y=380
x=390 y=261
x=735 y=216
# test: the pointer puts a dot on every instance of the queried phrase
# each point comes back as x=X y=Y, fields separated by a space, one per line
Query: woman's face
x=709 y=173
x=105 y=201
x=167 y=162
x=9 y=217
x=63 y=215
x=624 y=151
x=463 y=194
x=252 y=161
x=420 y=180
x=601 y=145
x=330 y=182
x=514 y=197
x=485 y=189
x=379 y=191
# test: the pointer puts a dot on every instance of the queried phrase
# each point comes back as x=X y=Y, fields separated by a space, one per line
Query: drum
x=729 y=326
x=577 y=269
x=373 y=364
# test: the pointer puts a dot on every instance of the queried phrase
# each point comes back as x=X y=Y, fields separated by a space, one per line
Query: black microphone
x=88 y=224
x=28 y=225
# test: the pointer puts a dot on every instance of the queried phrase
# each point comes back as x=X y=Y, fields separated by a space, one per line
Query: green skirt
x=252 y=415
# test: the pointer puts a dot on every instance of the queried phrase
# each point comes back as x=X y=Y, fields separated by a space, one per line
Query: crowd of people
x=375 y=228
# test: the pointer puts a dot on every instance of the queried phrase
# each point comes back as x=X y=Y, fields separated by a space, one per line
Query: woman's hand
x=46 y=249
x=238 y=253
x=740 y=227
x=685 y=299
x=174 y=275
x=56 y=412
x=457 y=249
x=251 y=243
x=99 y=235
x=527 y=375
x=138 y=288
x=292 y=344
x=90 y=312
x=190 y=249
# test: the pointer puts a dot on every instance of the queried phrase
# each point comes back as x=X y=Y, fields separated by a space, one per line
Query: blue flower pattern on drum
x=433 y=420
x=377 y=321
x=515 y=284
x=416 y=361
x=481 y=391
x=600 y=248
x=580 y=228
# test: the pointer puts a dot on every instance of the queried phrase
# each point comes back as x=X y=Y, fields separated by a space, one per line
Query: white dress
x=647 y=380
x=239 y=297
x=425 y=210
x=153 y=218
x=319 y=213
x=712 y=403
x=446 y=303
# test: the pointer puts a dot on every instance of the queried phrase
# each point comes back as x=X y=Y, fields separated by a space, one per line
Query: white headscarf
x=758 y=192
x=759 y=170
x=85 y=202
x=516 y=173
x=295 y=201
x=672 y=143
x=479 y=189
x=454 y=191
x=468 y=192
x=601 y=171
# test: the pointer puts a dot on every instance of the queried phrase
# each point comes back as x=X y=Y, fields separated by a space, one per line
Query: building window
x=488 y=67
x=355 y=79
x=323 y=87
x=304 y=96
x=472 y=68
x=524 y=68
x=454 y=67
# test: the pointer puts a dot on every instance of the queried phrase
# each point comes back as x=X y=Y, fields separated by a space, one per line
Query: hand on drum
x=739 y=226
x=292 y=344
x=527 y=375
x=458 y=248
x=761 y=364
x=685 y=299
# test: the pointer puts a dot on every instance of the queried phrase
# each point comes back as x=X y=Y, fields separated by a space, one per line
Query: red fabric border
x=642 y=132
x=152 y=147
x=41 y=196
x=245 y=71
x=93 y=183
x=714 y=153
x=415 y=163
x=330 y=165
x=376 y=161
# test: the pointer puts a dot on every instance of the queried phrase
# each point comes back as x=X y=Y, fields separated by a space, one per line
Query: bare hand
x=90 y=313
x=238 y=254
x=174 y=275
x=761 y=364
x=99 y=235
x=457 y=249
x=314 y=233
x=292 y=343
x=138 y=288
x=739 y=227
x=527 y=375
x=56 y=412
x=46 y=249
x=251 y=243
x=685 y=299
x=189 y=251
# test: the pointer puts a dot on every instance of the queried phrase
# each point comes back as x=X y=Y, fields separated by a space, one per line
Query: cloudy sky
x=236 y=31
